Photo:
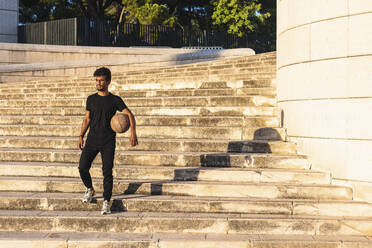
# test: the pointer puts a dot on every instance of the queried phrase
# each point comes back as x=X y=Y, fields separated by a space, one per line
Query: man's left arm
x=132 y=121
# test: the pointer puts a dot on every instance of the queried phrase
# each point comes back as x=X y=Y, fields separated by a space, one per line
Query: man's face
x=101 y=83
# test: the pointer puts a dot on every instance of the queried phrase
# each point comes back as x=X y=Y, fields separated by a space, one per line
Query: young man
x=100 y=108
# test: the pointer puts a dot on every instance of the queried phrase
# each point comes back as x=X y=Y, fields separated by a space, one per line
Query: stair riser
x=147 y=145
x=45 y=243
x=217 y=226
x=202 y=75
x=251 y=190
x=204 y=111
x=237 y=161
x=213 y=206
x=60 y=243
x=121 y=86
x=152 y=121
x=130 y=173
x=84 y=93
x=193 y=76
x=165 y=132
x=264 y=244
x=162 y=102
x=257 y=83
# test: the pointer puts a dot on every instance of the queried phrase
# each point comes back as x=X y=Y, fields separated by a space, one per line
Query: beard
x=100 y=88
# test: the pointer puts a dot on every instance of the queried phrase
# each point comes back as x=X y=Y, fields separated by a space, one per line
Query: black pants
x=107 y=154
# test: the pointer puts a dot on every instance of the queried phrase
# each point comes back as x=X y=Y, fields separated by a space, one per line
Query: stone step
x=169 y=173
x=207 y=111
x=159 y=240
x=161 y=132
x=203 y=74
x=125 y=84
x=160 y=158
x=174 y=145
x=54 y=93
x=182 y=188
x=184 y=204
x=236 y=77
x=197 y=121
x=257 y=83
x=153 y=101
x=162 y=111
x=128 y=222
x=211 y=69
x=175 y=77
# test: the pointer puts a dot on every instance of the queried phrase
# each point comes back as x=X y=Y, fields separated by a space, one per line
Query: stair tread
x=219 y=183
x=152 y=139
x=156 y=237
x=143 y=167
x=162 y=152
x=186 y=199
x=167 y=215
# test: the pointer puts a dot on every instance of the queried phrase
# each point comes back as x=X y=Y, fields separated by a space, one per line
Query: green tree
x=98 y=9
x=238 y=16
x=146 y=12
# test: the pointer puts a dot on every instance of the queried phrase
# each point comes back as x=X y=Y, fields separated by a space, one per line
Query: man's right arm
x=84 y=128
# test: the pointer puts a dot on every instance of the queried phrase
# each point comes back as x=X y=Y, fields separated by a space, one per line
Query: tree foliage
x=147 y=12
x=255 y=18
x=238 y=16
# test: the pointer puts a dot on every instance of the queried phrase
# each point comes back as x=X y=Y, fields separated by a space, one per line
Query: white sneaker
x=88 y=196
x=106 y=207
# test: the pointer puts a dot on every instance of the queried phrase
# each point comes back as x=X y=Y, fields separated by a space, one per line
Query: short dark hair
x=103 y=71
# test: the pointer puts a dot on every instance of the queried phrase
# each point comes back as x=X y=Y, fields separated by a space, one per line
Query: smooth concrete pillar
x=325 y=83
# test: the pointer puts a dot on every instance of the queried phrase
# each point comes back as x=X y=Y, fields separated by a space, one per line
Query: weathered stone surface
x=213 y=189
x=151 y=120
x=163 y=111
x=169 y=173
x=167 y=223
x=212 y=169
x=163 y=158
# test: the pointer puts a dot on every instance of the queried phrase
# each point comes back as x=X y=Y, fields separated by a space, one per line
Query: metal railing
x=59 y=32
x=90 y=32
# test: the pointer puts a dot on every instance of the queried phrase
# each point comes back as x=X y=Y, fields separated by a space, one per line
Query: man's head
x=103 y=78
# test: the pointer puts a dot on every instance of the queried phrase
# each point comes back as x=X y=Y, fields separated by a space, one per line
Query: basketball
x=120 y=123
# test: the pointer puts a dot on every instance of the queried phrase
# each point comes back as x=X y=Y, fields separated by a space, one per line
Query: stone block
x=329 y=39
x=327 y=79
x=293 y=83
x=294 y=46
x=335 y=119
x=360 y=76
x=344 y=158
x=327 y=9
x=359 y=6
x=298 y=12
x=17 y=56
x=4 y=57
x=360 y=34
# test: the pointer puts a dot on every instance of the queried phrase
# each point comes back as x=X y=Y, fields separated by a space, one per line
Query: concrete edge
x=91 y=49
x=187 y=56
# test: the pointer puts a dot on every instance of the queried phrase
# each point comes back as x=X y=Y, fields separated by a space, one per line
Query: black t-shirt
x=102 y=109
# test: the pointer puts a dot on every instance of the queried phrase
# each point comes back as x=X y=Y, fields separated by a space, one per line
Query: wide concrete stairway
x=212 y=168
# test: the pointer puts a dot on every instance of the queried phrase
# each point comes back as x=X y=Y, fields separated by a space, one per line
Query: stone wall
x=12 y=53
x=8 y=20
x=324 y=82
x=130 y=61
